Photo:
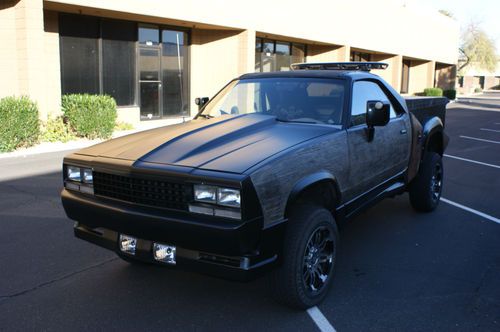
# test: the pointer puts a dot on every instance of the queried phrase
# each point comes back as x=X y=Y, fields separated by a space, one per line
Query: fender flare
x=310 y=180
x=433 y=126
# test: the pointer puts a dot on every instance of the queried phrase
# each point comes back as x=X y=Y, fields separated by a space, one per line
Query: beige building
x=472 y=78
x=155 y=56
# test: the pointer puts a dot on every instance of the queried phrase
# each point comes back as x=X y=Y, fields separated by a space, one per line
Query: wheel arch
x=433 y=136
x=319 y=187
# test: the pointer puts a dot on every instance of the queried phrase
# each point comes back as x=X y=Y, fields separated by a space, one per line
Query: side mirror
x=201 y=101
x=377 y=115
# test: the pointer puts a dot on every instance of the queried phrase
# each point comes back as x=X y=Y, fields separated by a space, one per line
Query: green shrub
x=433 y=92
x=496 y=87
x=56 y=130
x=19 y=124
x=123 y=126
x=450 y=94
x=90 y=116
x=478 y=90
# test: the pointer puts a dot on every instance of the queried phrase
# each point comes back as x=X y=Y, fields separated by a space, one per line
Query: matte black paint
x=271 y=162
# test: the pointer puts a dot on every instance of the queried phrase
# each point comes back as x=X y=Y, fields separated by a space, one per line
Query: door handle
x=403 y=131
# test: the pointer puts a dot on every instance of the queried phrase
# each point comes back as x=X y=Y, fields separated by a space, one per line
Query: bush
x=434 y=92
x=478 y=90
x=123 y=126
x=450 y=94
x=90 y=116
x=56 y=130
x=19 y=124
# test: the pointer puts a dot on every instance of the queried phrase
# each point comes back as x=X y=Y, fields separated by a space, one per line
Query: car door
x=371 y=163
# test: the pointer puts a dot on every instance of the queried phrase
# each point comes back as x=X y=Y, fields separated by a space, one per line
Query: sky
x=486 y=12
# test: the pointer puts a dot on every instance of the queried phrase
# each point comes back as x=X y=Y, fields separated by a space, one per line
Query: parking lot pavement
x=397 y=269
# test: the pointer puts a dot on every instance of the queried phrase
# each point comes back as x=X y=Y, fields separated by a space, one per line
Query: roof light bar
x=362 y=66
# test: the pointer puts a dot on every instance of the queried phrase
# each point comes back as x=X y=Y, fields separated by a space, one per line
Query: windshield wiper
x=294 y=121
x=206 y=116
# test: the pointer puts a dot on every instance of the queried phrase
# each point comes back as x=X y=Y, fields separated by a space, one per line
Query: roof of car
x=352 y=74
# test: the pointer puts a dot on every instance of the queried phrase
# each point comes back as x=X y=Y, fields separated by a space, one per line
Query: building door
x=162 y=74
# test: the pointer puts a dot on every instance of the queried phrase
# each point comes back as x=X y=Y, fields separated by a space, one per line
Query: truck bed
x=426 y=107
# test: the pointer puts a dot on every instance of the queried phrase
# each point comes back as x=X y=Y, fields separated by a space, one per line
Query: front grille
x=158 y=193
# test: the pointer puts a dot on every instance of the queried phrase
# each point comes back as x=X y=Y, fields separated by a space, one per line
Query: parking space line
x=493 y=130
x=471 y=161
x=320 y=320
x=479 y=139
x=468 y=209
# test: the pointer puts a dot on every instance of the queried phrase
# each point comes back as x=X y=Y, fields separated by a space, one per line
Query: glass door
x=163 y=77
x=150 y=86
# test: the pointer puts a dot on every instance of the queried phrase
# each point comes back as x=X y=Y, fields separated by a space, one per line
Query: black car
x=261 y=178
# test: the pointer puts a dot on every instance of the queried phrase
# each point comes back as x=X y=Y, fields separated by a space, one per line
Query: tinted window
x=118 y=60
x=79 y=54
x=364 y=91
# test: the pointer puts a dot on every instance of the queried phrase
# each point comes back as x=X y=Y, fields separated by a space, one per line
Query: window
x=364 y=91
x=272 y=55
x=118 y=60
x=289 y=99
x=98 y=57
x=79 y=54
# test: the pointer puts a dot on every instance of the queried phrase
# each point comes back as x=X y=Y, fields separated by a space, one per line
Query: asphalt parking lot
x=397 y=269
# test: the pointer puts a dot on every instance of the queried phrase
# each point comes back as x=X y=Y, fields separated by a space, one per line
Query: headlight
x=203 y=193
x=74 y=173
x=87 y=176
x=79 y=179
x=228 y=197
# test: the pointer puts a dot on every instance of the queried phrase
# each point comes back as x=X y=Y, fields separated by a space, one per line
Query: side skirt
x=390 y=188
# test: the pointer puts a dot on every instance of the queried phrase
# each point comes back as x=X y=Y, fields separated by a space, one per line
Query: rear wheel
x=310 y=247
x=425 y=189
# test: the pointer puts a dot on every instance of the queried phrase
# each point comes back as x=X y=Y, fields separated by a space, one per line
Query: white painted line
x=493 y=130
x=468 y=209
x=480 y=139
x=471 y=161
x=321 y=322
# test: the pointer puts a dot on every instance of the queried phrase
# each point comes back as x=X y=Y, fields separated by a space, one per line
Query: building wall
x=393 y=28
x=8 y=52
x=421 y=76
x=223 y=40
x=217 y=57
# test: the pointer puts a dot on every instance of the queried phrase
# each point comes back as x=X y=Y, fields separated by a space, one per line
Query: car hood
x=227 y=143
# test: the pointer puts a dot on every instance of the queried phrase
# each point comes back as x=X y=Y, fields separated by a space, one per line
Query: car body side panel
x=275 y=180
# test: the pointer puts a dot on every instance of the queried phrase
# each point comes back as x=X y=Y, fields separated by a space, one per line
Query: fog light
x=128 y=244
x=164 y=253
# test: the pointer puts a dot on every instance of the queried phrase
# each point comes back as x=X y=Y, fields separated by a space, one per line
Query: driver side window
x=363 y=91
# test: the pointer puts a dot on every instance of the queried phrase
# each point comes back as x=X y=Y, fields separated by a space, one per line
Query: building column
x=397 y=72
x=246 y=63
x=31 y=65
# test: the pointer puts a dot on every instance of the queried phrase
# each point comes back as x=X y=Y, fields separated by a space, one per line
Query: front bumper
x=240 y=251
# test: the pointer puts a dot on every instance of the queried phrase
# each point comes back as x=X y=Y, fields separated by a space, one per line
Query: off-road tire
x=287 y=281
x=425 y=189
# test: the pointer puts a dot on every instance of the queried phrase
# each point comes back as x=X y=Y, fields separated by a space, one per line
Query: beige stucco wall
x=383 y=25
x=327 y=53
x=8 y=51
x=421 y=76
x=218 y=56
x=29 y=62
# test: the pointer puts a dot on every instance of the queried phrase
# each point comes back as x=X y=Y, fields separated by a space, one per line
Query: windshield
x=308 y=100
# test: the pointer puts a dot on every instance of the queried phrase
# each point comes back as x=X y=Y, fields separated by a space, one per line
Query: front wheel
x=425 y=189
x=309 y=252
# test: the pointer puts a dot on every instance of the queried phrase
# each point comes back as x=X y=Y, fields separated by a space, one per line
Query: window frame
x=398 y=109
